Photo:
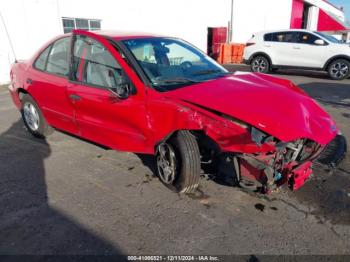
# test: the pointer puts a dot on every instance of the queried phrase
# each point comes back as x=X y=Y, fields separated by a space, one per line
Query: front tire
x=178 y=162
x=33 y=118
x=260 y=64
x=339 y=69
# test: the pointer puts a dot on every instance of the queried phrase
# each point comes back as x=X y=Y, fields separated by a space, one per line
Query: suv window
x=40 y=62
x=282 y=37
x=93 y=64
x=285 y=37
x=306 y=38
x=57 y=62
x=268 y=37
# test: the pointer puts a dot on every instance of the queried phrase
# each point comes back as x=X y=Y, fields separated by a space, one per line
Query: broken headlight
x=236 y=121
x=259 y=137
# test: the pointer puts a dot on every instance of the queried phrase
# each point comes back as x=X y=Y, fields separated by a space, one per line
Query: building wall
x=327 y=7
x=250 y=16
x=31 y=23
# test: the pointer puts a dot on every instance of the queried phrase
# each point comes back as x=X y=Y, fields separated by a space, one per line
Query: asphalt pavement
x=64 y=195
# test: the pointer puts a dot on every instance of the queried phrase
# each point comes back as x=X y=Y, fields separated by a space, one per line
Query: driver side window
x=94 y=65
x=306 y=38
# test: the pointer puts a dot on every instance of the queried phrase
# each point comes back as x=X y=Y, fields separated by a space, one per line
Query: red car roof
x=124 y=35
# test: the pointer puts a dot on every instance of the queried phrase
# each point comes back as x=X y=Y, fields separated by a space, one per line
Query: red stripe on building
x=297 y=14
x=328 y=23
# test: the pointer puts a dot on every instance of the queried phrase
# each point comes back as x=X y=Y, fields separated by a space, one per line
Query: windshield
x=171 y=63
x=328 y=37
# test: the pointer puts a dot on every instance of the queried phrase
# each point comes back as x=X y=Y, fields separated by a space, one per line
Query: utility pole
x=231 y=22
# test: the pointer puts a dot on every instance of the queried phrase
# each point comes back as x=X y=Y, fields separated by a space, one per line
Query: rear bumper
x=14 y=96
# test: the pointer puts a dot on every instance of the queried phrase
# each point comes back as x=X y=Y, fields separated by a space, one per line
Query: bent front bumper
x=334 y=152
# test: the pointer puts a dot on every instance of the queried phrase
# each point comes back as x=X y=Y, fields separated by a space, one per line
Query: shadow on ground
x=304 y=73
x=28 y=224
x=328 y=195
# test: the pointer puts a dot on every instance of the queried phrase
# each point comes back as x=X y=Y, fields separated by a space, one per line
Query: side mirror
x=121 y=88
x=319 y=42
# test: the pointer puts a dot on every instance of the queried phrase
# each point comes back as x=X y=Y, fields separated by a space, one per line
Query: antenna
x=8 y=37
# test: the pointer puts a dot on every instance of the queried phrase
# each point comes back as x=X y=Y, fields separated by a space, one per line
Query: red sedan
x=160 y=95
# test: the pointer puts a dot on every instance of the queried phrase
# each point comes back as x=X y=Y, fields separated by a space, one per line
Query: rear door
x=47 y=82
x=102 y=116
x=280 y=47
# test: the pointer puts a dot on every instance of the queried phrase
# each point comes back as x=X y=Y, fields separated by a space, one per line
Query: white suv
x=303 y=49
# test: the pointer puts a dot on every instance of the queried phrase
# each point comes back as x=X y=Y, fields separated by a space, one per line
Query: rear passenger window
x=268 y=37
x=57 y=62
x=282 y=37
x=40 y=62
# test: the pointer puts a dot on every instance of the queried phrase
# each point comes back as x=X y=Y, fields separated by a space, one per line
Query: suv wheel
x=33 y=118
x=339 y=69
x=178 y=162
x=260 y=64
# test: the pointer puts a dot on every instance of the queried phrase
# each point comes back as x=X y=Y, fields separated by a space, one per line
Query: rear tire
x=339 y=69
x=260 y=64
x=178 y=162
x=33 y=118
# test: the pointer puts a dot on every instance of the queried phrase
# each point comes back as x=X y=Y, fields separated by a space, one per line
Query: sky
x=343 y=3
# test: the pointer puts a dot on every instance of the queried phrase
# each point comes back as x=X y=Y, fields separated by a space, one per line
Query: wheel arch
x=260 y=54
x=21 y=92
x=333 y=58
x=203 y=139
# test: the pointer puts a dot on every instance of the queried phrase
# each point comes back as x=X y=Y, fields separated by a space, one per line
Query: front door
x=102 y=116
x=307 y=53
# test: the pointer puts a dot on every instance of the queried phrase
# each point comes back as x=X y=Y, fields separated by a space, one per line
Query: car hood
x=275 y=106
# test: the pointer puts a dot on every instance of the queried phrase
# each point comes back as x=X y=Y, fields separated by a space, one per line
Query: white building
x=31 y=23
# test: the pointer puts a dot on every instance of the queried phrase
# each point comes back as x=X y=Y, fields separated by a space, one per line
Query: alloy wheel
x=259 y=65
x=339 y=70
x=166 y=163
x=31 y=116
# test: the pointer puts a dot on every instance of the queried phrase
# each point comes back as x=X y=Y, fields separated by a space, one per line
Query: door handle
x=267 y=46
x=74 y=97
x=29 y=81
x=295 y=47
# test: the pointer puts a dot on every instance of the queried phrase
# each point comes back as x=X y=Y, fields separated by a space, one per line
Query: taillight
x=249 y=44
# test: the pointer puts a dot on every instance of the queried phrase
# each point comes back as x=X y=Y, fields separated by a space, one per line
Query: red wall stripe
x=297 y=14
x=327 y=23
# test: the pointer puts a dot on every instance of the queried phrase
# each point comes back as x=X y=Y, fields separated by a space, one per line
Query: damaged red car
x=160 y=95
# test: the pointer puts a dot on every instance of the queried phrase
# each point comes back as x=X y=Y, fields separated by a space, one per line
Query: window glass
x=306 y=38
x=268 y=37
x=283 y=37
x=178 y=54
x=82 y=24
x=95 y=25
x=328 y=37
x=172 y=63
x=57 y=62
x=40 y=62
x=69 y=24
x=93 y=64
